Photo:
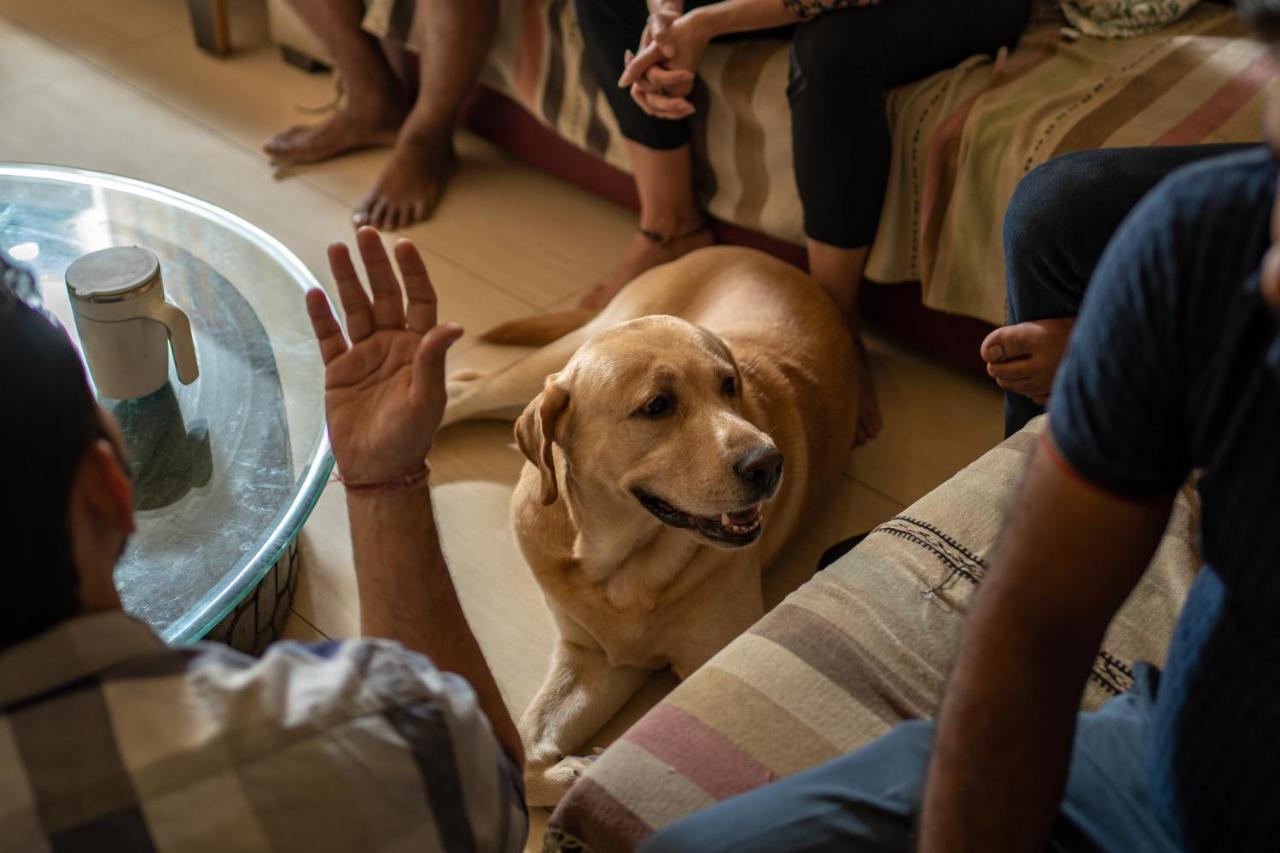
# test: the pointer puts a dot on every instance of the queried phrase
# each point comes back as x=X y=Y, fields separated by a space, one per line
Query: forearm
x=741 y=16
x=407 y=595
x=1003 y=742
x=1068 y=558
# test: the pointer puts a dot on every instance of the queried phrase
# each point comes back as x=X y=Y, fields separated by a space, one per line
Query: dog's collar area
x=735 y=529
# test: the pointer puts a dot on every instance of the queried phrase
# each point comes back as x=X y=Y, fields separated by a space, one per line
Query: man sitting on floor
x=1174 y=366
x=109 y=740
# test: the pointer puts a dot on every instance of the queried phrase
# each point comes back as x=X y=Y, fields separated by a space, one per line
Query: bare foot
x=870 y=421
x=411 y=184
x=344 y=131
x=643 y=254
x=1024 y=358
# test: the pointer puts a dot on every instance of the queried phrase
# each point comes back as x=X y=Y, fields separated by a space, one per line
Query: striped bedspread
x=963 y=138
x=864 y=645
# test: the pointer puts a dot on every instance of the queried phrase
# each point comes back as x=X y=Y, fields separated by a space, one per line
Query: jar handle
x=180 y=339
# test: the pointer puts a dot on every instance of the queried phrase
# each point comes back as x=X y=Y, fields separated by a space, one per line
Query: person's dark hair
x=1263 y=16
x=48 y=420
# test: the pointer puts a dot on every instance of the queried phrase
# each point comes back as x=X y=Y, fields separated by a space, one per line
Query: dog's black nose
x=760 y=468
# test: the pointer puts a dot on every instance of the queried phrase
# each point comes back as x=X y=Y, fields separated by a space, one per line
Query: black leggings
x=842 y=64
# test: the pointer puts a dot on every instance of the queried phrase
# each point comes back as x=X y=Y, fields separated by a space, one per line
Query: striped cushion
x=864 y=645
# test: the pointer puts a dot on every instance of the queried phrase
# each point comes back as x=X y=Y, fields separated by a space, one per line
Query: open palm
x=384 y=392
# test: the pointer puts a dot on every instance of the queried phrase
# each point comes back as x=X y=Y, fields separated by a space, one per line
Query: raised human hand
x=384 y=393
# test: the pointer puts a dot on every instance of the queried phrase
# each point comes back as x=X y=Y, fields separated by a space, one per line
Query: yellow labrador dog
x=655 y=494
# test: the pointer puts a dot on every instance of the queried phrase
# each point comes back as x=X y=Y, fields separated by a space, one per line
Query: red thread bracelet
x=402 y=484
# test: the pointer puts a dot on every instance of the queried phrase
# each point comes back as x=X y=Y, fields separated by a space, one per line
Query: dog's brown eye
x=658 y=406
x=729 y=387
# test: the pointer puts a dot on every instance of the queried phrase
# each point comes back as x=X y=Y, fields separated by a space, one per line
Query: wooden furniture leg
x=210 y=22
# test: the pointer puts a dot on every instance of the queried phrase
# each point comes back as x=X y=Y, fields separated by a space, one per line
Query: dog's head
x=650 y=412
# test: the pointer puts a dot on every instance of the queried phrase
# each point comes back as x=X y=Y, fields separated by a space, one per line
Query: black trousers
x=842 y=65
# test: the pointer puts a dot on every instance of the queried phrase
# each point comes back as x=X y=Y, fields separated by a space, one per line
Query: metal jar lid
x=113 y=275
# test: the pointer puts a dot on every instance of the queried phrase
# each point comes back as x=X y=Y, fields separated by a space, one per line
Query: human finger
x=664 y=104
x=642 y=99
x=417 y=286
x=668 y=81
x=325 y=325
x=638 y=64
x=428 y=362
x=674 y=115
x=355 y=302
x=388 y=299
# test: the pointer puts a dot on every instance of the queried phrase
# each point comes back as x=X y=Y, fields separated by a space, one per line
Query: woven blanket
x=962 y=138
x=864 y=645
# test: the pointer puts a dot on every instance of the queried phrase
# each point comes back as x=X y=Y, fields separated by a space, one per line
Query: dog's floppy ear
x=536 y=434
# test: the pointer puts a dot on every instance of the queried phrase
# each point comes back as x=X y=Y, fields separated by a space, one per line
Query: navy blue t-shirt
x=1167 y=372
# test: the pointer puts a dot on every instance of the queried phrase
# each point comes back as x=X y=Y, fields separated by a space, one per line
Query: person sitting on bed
x=1174 y=367
x=111 y=740
x=1060 y=219
x=845 y=54
x=378 y=107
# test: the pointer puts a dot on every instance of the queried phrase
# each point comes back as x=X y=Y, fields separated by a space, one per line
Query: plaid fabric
x=110 y=740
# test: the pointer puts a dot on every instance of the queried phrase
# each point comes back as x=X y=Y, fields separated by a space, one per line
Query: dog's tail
x=540 y=329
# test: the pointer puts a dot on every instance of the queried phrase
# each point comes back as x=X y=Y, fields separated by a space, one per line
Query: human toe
x=1009 y=342
x=284 y=140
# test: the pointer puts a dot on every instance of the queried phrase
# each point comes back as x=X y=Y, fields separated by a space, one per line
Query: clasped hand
x=661 y=74
x=384 y=392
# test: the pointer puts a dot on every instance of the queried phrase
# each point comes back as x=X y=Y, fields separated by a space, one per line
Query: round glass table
x=229 y=467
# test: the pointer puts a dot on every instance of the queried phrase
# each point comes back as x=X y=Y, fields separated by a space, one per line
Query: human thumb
x=428 y=361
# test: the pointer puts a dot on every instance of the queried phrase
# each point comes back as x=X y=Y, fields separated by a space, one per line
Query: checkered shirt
x=110 y=740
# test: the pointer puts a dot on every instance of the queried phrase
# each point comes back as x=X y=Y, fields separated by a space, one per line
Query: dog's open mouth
x=730 y=528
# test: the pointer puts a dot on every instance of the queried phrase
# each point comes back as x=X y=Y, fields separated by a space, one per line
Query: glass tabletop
x=227 y=468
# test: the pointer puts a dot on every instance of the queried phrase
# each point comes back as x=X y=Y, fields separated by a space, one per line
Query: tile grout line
x=879 y=492
x=178 y=111
x=307 y=621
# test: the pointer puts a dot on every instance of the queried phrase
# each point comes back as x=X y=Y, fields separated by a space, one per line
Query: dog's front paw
x=546 y=786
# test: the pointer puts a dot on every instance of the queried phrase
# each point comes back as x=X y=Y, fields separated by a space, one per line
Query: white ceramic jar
x=126 y=325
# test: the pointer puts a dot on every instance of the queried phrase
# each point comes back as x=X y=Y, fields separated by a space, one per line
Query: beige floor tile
x=226 y=94
x=299 y=629
x=326 y=594
x=538 y=819
x=94 y=27
x=850 y=509
x=28 y=62
x=937 y=419
x=503 y=223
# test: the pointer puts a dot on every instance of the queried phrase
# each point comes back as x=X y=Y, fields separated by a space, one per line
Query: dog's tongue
x=747 y=516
